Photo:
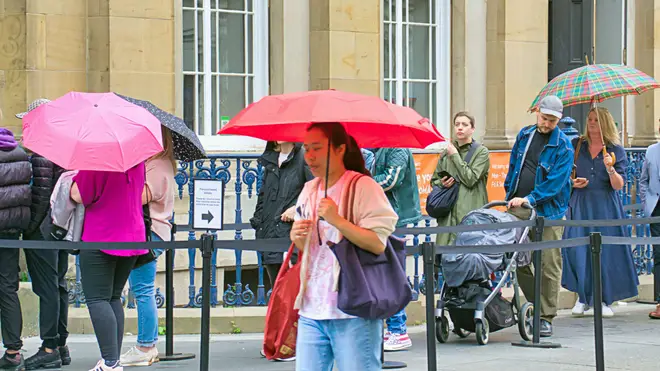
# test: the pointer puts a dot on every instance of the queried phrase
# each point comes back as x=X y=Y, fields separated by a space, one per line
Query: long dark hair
x=338 y=136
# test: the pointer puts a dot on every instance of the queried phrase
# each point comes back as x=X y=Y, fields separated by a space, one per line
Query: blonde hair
x=168 y=148
x=607 y=126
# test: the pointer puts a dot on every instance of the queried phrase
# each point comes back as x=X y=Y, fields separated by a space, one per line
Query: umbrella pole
x=327 y=167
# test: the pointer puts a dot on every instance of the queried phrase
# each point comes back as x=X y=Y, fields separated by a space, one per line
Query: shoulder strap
x=473 y=149
x=349 y=200
x=575 y=156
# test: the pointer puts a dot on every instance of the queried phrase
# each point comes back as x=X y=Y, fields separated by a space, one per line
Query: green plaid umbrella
x=595 y=83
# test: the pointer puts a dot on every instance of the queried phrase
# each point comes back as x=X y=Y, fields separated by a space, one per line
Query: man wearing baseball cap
x=47 y=268
x=539 y=175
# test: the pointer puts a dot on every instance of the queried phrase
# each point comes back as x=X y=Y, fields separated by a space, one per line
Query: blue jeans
x=397 y=323
x=142 y=281
x=354 y=344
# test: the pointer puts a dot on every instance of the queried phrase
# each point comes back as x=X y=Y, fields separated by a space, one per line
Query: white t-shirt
x=283 y=156
x=320 y=299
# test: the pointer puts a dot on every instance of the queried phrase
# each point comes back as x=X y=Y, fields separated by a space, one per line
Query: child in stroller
x=467 y=293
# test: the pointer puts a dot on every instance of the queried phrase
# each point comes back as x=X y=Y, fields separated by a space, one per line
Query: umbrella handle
x=611 y=155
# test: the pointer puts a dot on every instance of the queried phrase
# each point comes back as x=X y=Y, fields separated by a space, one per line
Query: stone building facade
x=206 y=59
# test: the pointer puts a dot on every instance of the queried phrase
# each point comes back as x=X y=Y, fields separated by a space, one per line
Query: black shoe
x=546 y=329
x=44 y=360
x=65 y=355
x=15 y=363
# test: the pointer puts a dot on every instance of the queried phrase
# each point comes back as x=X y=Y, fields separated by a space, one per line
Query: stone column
x=289 y=46
x=646 y=48
x=12 y=62
x=517 y=66
x=345 y=45
x=469 y=57
x=131 y=49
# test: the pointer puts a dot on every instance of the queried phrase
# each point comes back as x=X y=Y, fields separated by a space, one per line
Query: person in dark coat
x=47 y=268
x=15 y=200
x=284 y=175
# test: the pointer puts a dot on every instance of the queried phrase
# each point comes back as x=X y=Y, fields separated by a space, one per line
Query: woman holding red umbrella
x=325 y=334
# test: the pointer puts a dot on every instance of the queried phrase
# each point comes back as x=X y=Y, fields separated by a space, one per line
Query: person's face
x=546 y=123
x=463 y=129
x=280 y=142
x=316 y=153
x=593 y=126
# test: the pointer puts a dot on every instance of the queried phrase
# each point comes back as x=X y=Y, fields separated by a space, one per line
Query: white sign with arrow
x=208 y=204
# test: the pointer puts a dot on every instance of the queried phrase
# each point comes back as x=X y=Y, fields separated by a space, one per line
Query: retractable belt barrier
x=207 y=244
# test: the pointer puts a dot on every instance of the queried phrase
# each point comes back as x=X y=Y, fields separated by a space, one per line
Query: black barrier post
x=595 y=243
x=428 y=252
x=538 y=272
x=169 y=309
x=207 y=252
x=389 y=365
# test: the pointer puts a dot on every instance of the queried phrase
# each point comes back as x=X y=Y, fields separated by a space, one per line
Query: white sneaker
x=397 y=342
x=136 y=357
x=578 y=309
x=607 y=311
x=101 y=366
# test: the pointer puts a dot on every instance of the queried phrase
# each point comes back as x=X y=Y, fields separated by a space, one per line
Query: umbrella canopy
x=372 y=121
x=92 y=131
x=187 y=146
x=595 y=83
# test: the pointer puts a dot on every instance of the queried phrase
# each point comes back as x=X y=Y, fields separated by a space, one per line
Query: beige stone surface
x=354 y=55
x=13 y=6
x=53 y=84
x=158 y=88
x=66 y=43
x=355 y=15
x=58 y=7
x=98 y=8
x=160 y=9
x=98 y=34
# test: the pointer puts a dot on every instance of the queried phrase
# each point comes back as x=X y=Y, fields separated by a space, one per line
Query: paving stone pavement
x=631 y=343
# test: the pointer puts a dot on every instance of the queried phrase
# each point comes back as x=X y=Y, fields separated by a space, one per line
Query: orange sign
x=499 y=167
x=425 y=164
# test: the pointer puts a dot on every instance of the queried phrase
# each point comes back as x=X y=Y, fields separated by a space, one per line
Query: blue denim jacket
x=552 y=185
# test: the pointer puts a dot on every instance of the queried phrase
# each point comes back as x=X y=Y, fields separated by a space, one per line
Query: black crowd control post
x=538 y=272
x=207 y=252
x=429 y=260
x=595 y=243
x=169 y=309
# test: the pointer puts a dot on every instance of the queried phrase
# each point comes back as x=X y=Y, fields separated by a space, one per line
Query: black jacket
x=279 y=191
x=15 y=195
x=45 y=176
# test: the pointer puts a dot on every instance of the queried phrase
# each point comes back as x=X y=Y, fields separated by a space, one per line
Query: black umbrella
x=187 y=146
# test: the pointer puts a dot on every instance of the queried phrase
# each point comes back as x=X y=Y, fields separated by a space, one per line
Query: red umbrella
x=372 y=121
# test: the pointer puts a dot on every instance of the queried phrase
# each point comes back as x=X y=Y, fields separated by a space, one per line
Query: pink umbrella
x=92 y=131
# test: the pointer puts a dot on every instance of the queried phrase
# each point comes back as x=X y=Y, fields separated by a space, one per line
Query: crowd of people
x=303 y=183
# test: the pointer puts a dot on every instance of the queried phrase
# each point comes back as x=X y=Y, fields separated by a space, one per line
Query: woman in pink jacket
x=113 y=213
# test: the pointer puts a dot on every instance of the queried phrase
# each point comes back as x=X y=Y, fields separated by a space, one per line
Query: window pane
x=434 y=73
x=232 y=97
x=232 y=43
x=386 y=51
x=200 y=39
x=418 y=98
x=419 y=49
x=250 y=41
x=200 y=104
x=188 y=40
x=419 y=11
x=189 y=101
x=215 y=26
x=215 y=117
x=387 y=8
x=231 y=4
x=189 y=3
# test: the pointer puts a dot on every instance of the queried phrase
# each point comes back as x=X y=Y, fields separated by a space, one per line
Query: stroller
x=467 y=293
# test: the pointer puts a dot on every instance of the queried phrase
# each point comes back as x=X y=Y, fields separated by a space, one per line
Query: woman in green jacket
x=471 y=175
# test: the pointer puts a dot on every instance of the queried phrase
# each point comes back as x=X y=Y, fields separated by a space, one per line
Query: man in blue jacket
x=539 y=174
x=394 y=170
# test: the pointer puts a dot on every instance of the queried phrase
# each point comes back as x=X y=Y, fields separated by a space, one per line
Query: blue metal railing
x=247 y=175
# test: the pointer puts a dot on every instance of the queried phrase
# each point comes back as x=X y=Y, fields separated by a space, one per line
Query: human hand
x=447 y=182
x=451 y=149
x=517 y=202
x=328 y=211
x=580 y=183
x=609 y=159
x=299 y=232
x=289 y=214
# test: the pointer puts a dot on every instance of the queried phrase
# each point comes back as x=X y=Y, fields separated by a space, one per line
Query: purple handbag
x=371 y=286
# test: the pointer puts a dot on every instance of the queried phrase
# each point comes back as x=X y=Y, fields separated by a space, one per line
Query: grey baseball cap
x=32 y=106
x=552 y=105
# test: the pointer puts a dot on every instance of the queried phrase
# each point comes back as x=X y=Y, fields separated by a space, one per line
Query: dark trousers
x=103 y=279
x=272 y=270
x=11 y=318
x=47 y=269
x=655 y=232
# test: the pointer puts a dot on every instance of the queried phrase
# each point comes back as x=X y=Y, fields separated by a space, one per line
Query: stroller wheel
x=461 y=333
x=442 y=329
x=526 y=321
x=482 y=332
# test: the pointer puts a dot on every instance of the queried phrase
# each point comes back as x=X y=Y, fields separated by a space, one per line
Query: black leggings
x=103 y=279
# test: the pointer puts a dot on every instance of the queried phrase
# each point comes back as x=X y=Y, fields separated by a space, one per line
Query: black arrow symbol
x=208 y=216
